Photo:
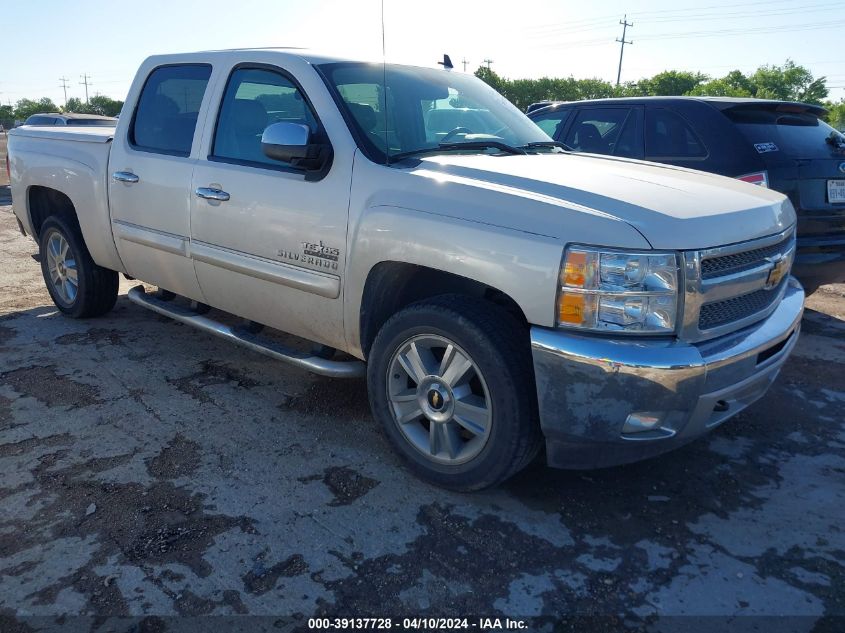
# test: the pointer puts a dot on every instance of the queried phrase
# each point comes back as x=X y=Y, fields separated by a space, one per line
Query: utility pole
x=488 y=62
x=465 y=62
x=64 y=87
x=625 y=24
x=86 y=81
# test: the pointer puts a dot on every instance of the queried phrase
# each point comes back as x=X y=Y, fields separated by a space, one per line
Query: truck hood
x=672 y=207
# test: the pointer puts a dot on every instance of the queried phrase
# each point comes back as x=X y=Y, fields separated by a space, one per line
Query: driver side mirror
x=291 y=143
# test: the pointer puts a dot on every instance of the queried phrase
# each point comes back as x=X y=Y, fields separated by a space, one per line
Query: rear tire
x=464 y=418
x=79 y=287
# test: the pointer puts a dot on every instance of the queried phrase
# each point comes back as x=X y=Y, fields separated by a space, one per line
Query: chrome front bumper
x=588 y=386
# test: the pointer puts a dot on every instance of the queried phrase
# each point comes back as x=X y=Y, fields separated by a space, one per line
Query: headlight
x=617 y=290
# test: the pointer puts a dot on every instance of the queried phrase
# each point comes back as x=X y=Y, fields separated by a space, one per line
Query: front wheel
x=78 y=286
x=452 y=383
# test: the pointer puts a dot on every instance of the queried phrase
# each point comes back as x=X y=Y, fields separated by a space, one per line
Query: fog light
x=641 y=422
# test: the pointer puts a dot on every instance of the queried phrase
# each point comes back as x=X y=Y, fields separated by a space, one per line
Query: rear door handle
x=210 y=193
x=125 y=176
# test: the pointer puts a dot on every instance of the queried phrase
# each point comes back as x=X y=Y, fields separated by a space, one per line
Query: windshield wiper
x=456 y=147
x=546 y=144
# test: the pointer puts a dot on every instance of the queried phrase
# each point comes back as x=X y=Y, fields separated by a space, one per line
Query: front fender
x=523 y=266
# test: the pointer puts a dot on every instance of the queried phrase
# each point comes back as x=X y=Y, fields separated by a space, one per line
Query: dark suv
x=777 y=144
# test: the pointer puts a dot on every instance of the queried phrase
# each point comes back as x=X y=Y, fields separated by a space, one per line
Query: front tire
x=79 y=287
x=451 y=380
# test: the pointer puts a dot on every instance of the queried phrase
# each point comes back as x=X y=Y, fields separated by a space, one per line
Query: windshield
x=425 y=108
x=795 y=134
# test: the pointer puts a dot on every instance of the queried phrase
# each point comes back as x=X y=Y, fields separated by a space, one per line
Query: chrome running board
x=241 y=336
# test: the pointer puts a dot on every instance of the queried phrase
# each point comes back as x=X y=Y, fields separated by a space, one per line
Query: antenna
x=384 y=89
x=446 y=63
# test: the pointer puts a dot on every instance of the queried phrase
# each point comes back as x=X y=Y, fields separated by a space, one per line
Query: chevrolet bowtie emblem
x=779 y=269
x=435 y=399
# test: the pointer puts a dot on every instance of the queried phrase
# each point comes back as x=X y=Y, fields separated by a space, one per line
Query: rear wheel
x=79 y=287
x=451 y=381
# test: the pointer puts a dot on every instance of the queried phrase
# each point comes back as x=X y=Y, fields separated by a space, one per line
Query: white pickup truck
x=500 y=293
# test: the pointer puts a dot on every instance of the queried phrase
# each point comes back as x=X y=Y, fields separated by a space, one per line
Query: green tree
x=98 y=104
x=734 y=84
x=490 y=77
x=524 y=92
x=836 y=114
x=25 y=108
x=788 y=83
x=670 y=83
x=101 y=104
x=6 y=112
x=76 y=105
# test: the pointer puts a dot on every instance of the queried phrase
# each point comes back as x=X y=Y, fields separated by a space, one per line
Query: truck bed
x=69 y=133
x=76 y=157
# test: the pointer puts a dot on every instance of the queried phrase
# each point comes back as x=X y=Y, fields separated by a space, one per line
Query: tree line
x=789 y=82
x=24 y=108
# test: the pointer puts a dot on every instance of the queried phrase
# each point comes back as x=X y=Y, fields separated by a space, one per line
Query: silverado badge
x=314 y=254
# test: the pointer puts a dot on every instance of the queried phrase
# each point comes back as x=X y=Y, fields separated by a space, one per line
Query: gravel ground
x=147 y=469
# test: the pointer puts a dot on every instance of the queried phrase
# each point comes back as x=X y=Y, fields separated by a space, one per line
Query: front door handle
x=125 y=176
x=210 y=193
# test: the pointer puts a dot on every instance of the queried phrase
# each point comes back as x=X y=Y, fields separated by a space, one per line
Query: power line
x=86 y=81
x=625 y=24
x=658 y=13
x=64 y=87
x=746 y=32
x=553 y=30
x=808 y=26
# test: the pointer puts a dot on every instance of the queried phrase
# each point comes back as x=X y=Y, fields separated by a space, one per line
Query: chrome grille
x=720 y=313
x=739 y=262
x=727 y=288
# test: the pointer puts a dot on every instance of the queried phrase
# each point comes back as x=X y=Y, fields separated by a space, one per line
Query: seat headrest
x=364 y=115
x=249 y=116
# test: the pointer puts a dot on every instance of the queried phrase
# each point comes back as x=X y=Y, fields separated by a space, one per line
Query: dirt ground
x=147 y=469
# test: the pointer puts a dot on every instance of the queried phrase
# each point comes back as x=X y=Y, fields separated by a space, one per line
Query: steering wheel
x=455 y=131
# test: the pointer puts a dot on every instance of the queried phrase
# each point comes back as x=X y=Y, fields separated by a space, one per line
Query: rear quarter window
x=166 y=114
x=41 y=120
x=669 y=135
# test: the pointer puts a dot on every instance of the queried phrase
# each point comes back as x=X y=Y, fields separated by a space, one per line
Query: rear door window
x=597 y=130
x=553 y=122
x=166 y=115
x=668 y=135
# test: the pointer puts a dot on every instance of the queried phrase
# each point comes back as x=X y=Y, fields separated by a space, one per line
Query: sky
x=46 y=40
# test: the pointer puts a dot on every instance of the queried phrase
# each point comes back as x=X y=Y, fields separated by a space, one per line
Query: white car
x=499 y=293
